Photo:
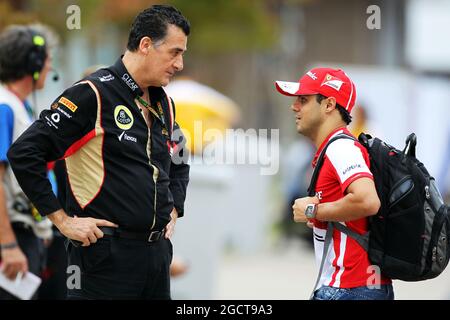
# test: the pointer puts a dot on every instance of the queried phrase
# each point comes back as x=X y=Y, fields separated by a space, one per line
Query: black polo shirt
x=117 y=168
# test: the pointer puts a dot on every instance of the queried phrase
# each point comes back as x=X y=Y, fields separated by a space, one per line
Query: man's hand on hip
x=85 y=230
x=170 y=227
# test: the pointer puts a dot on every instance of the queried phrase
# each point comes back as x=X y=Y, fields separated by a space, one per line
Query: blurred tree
x=218 y=26
x=11 y=13
x=223 y=26
x=54 y=13
x=236 y=39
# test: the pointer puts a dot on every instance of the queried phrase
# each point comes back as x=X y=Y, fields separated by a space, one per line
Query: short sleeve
x=348 y=161
x=6 y=130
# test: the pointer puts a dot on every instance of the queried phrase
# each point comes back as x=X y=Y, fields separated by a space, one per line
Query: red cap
x=325 y=81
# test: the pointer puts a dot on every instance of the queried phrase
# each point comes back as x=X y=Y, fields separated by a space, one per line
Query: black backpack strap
x=363 y=240
x=326 y=246
x=319 y=164
x=312 y=193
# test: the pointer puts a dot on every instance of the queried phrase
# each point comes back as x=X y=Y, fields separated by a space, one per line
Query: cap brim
x=292 y=89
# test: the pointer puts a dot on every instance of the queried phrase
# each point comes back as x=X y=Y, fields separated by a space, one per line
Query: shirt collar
x=126 y=79
x=331 y=135
x=29 y=109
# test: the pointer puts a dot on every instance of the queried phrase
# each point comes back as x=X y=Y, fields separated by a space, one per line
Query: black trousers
x=33 y=248
x=117 y=268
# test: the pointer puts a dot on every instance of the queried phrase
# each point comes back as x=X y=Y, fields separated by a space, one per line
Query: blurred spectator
x=25 y=61
x=178 y=267
x=361 y=123
x=296 y=176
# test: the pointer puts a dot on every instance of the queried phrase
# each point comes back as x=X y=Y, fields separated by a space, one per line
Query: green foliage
x=10 y=16
x=220 y=26
x=54 y=13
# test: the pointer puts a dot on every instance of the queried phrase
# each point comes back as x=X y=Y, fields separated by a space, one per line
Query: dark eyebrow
x=178 y=50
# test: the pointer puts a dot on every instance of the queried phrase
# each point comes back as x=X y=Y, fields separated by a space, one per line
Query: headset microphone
x=55 y=75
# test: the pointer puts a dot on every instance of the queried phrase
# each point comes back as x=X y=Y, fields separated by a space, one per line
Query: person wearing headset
x=24 y=64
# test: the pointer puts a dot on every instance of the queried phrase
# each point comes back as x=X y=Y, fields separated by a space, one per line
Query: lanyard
x=171 y=146
x=159 y=114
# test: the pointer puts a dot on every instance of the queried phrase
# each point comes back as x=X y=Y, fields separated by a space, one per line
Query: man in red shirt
x=345 y=190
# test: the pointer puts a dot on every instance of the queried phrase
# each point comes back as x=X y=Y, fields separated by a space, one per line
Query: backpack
x=409 y=237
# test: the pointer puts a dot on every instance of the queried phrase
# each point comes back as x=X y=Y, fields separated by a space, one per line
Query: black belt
x=151 y=236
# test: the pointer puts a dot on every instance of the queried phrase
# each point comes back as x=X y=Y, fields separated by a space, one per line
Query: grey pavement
x=287 y=271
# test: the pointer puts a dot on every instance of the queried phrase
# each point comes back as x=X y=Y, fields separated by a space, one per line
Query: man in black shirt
x=116 y=131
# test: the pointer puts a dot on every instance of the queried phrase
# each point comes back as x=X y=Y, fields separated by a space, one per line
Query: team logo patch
x=55 y=117
x=68 y=104
x=54 y=106
x=108 y=77
x=124 y=136
x=129 y=81
x=289 y=87
x=351 y=168
x=319 y=194
x=312 y=75
x=332 y=82
x=123 y=117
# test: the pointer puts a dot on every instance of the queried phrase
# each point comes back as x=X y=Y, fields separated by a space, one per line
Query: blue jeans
x=385 y=292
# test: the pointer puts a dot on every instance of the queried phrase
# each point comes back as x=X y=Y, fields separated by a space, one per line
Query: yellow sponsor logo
x=69 y=104
x=123 y=117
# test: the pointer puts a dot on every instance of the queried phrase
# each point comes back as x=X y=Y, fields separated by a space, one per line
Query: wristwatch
x=311 y=211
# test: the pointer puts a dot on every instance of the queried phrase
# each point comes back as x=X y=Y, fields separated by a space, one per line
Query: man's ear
x=331 y=104
x=145 y=44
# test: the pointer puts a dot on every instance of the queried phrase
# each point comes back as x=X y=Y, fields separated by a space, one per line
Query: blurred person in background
x=116 y=131
x=362 y=123
x=296 y=176
x=24 y=65
x=359 y=122
x=345 y=190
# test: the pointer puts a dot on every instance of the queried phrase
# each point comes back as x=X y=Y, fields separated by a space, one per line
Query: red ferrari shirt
x=347 y=264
